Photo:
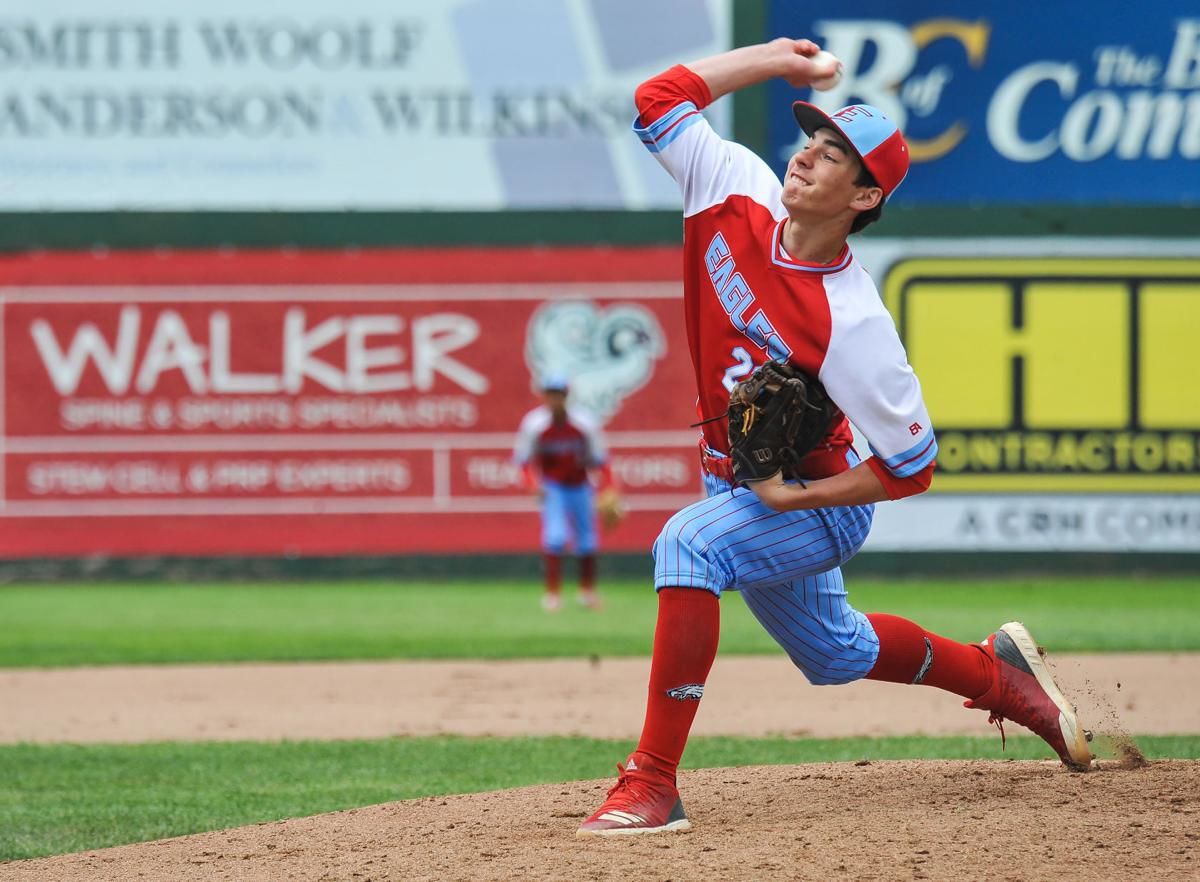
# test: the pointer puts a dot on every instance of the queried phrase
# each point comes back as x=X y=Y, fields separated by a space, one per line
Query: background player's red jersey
x=562 y=451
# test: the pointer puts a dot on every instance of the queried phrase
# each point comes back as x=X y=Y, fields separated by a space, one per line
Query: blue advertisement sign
x=1086 y=103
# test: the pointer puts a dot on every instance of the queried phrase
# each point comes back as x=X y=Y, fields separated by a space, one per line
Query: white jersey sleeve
x=707 y=168
x=533 y=424
x=867 y=374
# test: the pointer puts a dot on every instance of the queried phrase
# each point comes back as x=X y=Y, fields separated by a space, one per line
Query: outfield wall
x=327 y=403
x=308 y=252
x=332 y=403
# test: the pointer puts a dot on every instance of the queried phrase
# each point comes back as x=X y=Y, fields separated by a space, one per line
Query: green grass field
x=56 y=799
x=61 y=798
x=56 y=625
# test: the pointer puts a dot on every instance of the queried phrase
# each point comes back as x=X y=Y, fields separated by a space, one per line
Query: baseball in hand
x=826 y=59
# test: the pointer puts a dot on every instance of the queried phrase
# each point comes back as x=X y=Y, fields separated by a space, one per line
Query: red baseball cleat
x=643 y=800
x=1024 y=691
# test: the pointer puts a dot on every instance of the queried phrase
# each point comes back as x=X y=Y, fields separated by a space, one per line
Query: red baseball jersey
x=747 y=301
x=562 y=451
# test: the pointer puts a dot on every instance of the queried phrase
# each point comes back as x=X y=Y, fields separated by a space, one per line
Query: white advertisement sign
x=362 y=104
x=1037 y=523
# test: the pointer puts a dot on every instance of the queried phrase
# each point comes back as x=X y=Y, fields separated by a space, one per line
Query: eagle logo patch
x=690 y=692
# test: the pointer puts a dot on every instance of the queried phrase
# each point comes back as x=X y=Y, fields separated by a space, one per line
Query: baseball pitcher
x=789 y=342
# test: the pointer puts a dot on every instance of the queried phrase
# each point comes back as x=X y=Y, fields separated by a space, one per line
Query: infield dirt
x=882 y=821
x=746 y=695
x=994 y=819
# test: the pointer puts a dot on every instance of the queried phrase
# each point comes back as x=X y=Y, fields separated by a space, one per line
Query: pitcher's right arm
x=707 y=168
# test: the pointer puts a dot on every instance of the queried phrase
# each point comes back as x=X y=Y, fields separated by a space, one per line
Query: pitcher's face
x=821 y=178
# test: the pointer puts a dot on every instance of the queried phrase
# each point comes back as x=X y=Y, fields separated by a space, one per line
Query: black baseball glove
x=776 y=416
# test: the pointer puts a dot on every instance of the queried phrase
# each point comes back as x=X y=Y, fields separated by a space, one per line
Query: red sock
x=553 y=566
x=910 y=654
x=587 y=572
x=685 y=644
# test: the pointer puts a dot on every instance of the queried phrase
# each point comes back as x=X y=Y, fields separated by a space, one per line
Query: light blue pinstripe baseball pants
x=787 y=566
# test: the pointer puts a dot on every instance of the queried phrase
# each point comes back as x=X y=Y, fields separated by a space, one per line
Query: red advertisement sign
x=326 y=403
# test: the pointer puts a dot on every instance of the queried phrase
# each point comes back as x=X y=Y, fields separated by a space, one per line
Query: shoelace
x=993 y=717
x=1017 y=707
x=621 y=777
x=1018 y=710
x=639 y=790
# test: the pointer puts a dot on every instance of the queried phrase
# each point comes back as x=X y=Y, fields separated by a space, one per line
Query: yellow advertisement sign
x=1056 y=374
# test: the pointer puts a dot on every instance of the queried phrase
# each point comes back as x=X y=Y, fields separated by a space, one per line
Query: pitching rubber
x=1073 y=734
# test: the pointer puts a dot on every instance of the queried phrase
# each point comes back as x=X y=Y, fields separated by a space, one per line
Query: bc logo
x=895 y=57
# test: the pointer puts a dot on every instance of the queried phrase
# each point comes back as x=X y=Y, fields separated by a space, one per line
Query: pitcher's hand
x=796 y=66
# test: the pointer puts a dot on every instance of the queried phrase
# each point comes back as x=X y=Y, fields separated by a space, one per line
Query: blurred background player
x=560 y=449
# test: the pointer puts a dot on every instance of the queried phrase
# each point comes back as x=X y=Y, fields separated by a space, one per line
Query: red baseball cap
x=875 y=138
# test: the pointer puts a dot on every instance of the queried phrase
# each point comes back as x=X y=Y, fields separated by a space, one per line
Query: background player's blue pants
x=568 y=510
x=786 y=566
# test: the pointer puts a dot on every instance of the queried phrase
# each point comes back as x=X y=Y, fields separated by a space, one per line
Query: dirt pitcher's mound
x=878 y=821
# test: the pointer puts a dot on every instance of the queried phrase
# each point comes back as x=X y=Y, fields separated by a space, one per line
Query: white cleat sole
x=680 y=826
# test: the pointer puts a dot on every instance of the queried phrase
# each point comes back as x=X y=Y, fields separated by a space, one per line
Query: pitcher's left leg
x=1005 y=674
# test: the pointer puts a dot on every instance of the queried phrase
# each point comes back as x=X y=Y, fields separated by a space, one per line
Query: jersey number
x=743 y=366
